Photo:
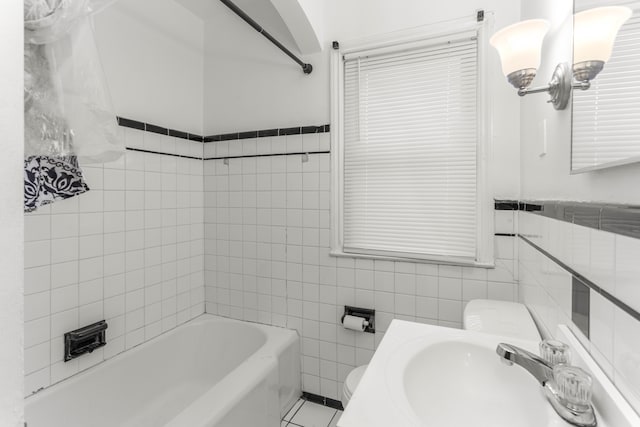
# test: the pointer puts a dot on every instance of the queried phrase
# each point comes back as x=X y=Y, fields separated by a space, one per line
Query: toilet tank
x=508 y=319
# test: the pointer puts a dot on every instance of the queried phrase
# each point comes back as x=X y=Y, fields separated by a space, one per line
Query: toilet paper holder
x=366 y=313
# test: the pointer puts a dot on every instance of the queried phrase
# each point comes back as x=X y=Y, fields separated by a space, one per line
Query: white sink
x=424 y=375
x=442 y=380
x=430 y=376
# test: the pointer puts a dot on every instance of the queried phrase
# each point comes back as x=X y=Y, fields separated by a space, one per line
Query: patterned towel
x=47 y=179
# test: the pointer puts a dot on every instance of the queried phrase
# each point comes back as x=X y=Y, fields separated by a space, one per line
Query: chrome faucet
x=570 y=399
x=536 y=366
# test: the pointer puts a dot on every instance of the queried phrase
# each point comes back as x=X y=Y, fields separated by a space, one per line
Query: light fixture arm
x=559 y=87
x=575 y=85
x=581 y=85
x=539 y=89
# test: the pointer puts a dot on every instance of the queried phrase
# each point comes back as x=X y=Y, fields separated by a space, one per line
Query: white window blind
x=606 y=118
x=410 y=151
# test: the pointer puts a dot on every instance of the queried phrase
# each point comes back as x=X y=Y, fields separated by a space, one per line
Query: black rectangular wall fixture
x=84 y=340
x=580 y=300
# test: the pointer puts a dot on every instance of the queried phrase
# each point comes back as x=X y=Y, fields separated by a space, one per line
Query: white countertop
x=374 y=404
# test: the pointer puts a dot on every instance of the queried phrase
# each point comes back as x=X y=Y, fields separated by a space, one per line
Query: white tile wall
x=267 y=260
x=133 y=249
x=130 y=251
x=611 y=262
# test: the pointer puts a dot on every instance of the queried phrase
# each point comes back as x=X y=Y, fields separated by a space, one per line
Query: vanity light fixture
x=520 y=47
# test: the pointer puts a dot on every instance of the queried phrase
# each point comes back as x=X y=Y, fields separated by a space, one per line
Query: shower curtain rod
x=307 y=68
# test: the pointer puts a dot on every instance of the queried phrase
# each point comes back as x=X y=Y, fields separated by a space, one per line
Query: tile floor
x=309 y=414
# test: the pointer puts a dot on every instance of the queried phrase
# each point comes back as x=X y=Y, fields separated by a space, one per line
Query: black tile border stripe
x=506 y=205
x=226 y=136
x=140 y=150
x=322 y=400
x=298 y=130
x=266 y=155
x=148 y=127
x=128 y=123
x=156 y=129
x=613 y=218
x=267 y=132
x=611 y=298
x=291 y=131
x=179 y=134
x=248 y=135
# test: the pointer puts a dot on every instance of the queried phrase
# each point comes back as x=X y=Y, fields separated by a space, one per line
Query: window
x=408 y=183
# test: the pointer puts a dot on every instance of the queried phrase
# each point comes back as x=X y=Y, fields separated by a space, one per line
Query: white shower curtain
x=69 y=117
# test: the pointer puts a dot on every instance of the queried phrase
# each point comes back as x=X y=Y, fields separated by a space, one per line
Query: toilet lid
x=354 y=377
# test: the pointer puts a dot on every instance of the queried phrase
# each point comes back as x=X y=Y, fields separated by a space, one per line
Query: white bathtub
x=209 y=372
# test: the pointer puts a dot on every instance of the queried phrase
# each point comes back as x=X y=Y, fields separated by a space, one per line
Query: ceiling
x=261 y=11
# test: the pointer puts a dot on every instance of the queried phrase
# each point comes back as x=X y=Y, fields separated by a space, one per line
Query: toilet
x=508 y=319
x=350 y=384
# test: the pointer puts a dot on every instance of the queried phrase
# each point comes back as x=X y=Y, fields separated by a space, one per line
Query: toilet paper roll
x=355 y=323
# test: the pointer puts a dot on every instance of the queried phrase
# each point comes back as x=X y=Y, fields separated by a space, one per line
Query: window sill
x=443 y=260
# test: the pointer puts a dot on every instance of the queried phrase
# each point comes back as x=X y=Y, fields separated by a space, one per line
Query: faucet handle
x=555 y=352
x=573 y=387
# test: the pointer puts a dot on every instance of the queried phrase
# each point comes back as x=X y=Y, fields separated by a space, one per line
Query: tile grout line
x=297 y=410
x=103 y=243
x=332 y=418
x=49 y=365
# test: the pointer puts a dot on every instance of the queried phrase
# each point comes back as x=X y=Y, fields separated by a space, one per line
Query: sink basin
x=444 y=381
x=429 y=376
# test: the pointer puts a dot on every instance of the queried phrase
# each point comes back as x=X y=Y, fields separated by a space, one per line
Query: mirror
x=606 y=117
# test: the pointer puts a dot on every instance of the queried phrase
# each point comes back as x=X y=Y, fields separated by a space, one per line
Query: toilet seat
x=350 y=384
